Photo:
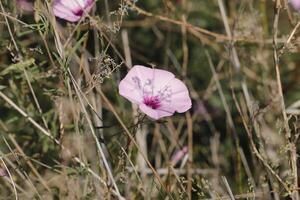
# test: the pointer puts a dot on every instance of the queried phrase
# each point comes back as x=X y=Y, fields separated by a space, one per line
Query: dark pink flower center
x=152 y=102
x=78 y=12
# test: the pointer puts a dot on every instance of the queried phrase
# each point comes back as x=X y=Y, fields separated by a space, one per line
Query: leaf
x=18 y=66
x=77 y=45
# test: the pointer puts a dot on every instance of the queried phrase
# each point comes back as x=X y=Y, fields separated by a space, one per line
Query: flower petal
x=158 y=77
x=155 y=113
x=64 y=13
x=69 y=9
x=180 y=99
x=25 y=5
x=295 y=4
x=69 y=4
x=130 y=87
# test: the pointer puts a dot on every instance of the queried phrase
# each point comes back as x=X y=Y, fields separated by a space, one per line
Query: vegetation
x=67 y=133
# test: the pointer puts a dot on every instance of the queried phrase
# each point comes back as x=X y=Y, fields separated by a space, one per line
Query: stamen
x=152 y=102
x=79 y=12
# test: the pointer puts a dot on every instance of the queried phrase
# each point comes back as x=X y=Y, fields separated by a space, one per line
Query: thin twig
x=228 y=188
x=292 y=149
x=255 y=150
x=11 y=179
x=95 y=136
x=45 y=132
x=111 y=107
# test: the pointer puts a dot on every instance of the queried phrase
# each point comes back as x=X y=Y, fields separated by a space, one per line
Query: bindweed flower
x=157 y=92
x=25 y=5
x=72 y=10
x=295 y=4
x=179 y=155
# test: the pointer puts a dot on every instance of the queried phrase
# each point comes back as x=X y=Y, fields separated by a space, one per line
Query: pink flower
x=157 y=92
x=72 y=10
x=25 y=5
x=179 y=155
x=295 y=4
